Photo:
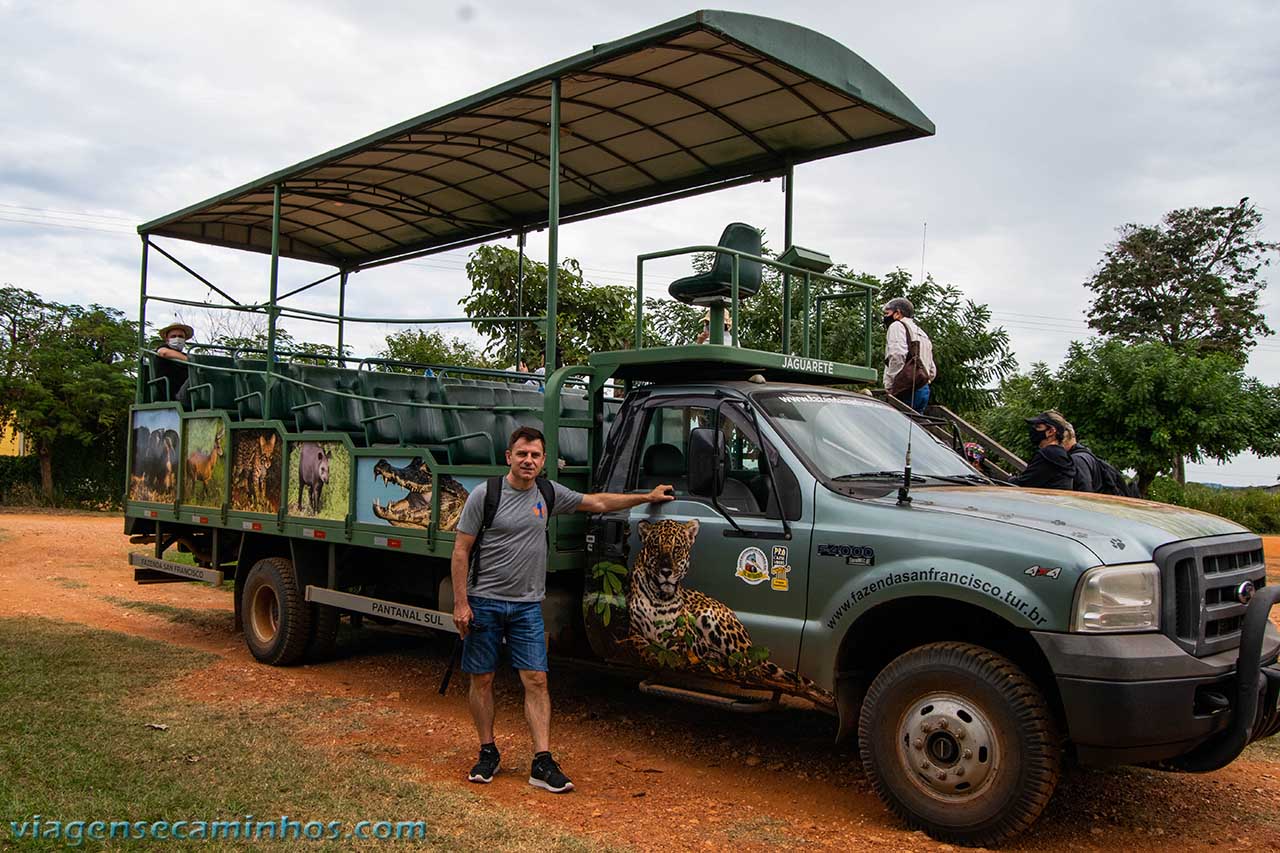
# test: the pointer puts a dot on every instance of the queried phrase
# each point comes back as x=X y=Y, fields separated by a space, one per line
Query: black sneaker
x=546 y=774
x=487 y=767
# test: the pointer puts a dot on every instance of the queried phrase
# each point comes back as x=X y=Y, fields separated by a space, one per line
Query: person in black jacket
x=1051 y=467
x=1089 y=477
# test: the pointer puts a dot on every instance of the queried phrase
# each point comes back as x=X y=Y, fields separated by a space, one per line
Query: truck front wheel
x=959 y=742
x=277 y=621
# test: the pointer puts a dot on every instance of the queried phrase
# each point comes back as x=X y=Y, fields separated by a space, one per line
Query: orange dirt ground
x=651 y=774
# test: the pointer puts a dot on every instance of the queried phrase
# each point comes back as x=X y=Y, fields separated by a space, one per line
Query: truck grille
x=1202 y=610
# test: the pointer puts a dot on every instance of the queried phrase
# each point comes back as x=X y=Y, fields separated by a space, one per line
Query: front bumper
x=1138 y=698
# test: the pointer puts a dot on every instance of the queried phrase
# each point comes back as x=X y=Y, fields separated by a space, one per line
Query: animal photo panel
x=319 y=480
x=154 y=472
x=257 y=462
x=204 y=469
x=397 y=491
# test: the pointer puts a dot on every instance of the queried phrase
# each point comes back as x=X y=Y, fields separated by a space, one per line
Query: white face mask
x=176 y=342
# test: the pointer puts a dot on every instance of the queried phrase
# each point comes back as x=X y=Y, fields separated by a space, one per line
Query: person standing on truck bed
x=504 y=597
x=908 y=355
x=1051 y=467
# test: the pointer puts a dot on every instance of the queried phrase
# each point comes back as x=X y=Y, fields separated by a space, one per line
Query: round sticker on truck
x=753 y=566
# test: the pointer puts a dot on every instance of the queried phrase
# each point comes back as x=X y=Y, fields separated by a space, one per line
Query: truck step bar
x=155 y=570
x=737 y=704
x=420 y=616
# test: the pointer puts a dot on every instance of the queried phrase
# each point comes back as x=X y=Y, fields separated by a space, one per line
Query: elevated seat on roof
x=715 y=287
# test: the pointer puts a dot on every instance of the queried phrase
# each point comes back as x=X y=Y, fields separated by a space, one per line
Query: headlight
x=1118 y=598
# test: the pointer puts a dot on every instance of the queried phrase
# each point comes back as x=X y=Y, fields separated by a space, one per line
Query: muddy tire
x=957 y=741
x=277 y=621
x=324 y=632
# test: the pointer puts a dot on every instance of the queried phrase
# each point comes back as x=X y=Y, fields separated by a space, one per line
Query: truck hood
x=1116 y=529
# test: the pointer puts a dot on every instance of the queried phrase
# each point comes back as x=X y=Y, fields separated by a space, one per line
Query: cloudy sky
x=1057 y=122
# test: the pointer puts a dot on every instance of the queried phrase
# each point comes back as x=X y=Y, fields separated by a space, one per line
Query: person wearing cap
x=705 y=335
x=1088 y=468
x=1051 y=466
x=174 y=338
x=908 y=355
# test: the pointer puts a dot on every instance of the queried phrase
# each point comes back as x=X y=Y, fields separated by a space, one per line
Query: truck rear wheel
x=277 y=621
x=959 y=742
x=324 y=632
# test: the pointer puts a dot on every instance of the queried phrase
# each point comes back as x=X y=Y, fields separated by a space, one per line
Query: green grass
x=205 y=620
x=760 y=829
x=75 y=745
x=69 y=583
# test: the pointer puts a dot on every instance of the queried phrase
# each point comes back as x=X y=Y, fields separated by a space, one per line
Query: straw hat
x=728 y=319
x=186 y=330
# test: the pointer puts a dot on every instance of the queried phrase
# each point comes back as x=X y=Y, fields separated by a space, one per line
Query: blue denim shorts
x=492 y=621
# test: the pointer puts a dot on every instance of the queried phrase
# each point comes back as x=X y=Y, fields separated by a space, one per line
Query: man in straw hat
x=174 y=338
x=705 y=335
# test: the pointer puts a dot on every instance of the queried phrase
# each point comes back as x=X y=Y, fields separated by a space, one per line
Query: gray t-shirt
x=513 y=553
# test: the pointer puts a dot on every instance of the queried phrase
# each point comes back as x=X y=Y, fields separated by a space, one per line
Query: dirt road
x=651 y=774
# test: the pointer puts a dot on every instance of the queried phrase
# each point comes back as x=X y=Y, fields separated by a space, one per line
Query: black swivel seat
x=715 y=287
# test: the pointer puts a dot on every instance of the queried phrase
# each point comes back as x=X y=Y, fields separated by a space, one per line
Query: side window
x=664 y=450
x=663 y=458
x=748 y=485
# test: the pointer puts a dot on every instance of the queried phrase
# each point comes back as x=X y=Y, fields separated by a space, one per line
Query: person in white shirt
x=908 y=355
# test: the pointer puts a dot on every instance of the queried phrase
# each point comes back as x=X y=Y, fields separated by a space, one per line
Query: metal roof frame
x=708 y=100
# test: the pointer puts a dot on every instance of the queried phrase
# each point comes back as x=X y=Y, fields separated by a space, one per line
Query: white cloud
x=1056 y=124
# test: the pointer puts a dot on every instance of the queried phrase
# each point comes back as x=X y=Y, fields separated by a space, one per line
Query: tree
x=1144 y=406
x=589 y=318
x=970 y=354
x=419 y=347
x=68 y=373
x=1191 y=282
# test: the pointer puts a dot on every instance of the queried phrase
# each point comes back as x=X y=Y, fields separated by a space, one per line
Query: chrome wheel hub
x=947 y=747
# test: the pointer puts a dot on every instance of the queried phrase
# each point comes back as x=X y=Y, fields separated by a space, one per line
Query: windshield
x=846 y=435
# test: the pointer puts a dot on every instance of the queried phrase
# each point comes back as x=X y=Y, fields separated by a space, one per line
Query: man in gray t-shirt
x=506 y=600
x=513 y=544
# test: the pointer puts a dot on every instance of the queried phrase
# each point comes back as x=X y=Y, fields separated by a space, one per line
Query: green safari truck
x=821 y=544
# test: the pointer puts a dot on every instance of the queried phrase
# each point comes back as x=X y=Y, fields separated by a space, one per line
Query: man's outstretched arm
x=608 y=502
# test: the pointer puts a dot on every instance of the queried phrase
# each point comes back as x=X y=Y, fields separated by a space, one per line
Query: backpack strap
x=548 y=495
x=492 y=494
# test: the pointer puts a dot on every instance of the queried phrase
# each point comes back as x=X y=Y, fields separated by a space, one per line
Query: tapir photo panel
x=319 y=483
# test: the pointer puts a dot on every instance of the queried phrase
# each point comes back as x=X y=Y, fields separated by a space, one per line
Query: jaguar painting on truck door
x=676 y=586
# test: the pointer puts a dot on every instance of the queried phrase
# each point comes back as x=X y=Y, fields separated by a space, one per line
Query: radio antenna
x=904 y=491
x=924 y=235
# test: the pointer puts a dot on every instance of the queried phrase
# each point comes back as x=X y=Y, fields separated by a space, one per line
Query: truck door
x=762 y=576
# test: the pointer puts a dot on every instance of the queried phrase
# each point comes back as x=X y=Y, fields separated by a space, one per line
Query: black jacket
x=1088 y=471
x=1050 y=468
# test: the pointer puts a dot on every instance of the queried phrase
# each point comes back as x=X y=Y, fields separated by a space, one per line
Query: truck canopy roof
x=692 y=105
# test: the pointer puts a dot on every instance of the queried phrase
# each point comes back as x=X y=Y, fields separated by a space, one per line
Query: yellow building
x=12 y=442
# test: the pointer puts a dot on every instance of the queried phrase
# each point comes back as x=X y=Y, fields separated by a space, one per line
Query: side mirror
x=707 y=462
